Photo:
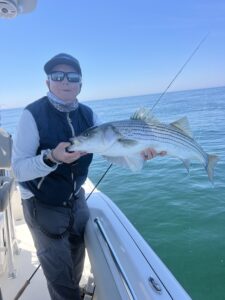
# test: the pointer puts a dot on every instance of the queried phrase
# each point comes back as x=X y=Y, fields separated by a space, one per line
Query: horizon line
x=120 y=97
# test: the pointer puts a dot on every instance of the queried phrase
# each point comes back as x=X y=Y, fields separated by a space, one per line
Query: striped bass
x=121 y=142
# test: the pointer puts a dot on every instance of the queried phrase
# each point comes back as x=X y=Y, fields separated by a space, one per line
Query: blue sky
x=125 y=47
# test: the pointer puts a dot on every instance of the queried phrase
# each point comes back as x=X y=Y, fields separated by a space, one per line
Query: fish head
x=95 y=139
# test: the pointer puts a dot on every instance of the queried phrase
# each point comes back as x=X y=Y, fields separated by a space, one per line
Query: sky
x=125 y=47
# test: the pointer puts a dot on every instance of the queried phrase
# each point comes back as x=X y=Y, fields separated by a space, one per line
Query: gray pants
x=62 y=260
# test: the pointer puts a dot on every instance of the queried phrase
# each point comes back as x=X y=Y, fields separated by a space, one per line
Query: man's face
x=65 y=90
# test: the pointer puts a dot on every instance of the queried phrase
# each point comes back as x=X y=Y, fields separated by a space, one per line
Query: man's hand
x=60 y=154
x=150 y=153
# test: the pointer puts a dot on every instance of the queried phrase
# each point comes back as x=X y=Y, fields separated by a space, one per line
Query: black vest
x=59 y=187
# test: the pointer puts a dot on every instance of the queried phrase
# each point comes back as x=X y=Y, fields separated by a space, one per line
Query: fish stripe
x=158 y=132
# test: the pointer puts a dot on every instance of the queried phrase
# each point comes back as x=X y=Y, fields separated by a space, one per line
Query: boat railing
x=8 y=241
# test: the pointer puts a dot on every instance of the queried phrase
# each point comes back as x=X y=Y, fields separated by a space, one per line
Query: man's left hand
x=150 y=153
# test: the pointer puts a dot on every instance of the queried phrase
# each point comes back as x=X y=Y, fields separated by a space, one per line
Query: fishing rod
x=18 y=295
x=99 y=181
x=102 y=177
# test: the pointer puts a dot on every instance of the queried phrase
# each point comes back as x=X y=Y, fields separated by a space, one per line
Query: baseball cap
x=62 y=58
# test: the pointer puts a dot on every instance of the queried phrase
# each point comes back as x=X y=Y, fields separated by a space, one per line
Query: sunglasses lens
x=57 y=76
x=73 y=77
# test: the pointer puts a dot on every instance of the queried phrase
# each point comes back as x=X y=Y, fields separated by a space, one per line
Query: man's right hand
x=61 y=155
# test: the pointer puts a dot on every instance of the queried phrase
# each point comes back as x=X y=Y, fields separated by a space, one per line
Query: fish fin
x=212 y=160
x=146 y=115
x=134 y=163
x=183 y=125
x=117 y=160
x=127 y=142
x=186 y=163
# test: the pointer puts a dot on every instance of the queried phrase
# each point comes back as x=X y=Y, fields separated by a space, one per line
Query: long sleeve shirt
x=25 y=163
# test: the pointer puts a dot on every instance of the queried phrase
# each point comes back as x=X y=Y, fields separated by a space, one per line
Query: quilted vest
x=60 y=186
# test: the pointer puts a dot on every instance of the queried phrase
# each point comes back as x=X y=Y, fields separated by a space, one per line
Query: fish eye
x=89 y=132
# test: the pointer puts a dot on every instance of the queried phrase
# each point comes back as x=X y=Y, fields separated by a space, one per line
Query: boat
x=119 y=265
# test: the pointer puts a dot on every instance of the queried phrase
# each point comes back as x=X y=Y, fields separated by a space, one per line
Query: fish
x=121 y=142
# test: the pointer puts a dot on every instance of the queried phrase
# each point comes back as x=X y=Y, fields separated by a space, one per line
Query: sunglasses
x=59 y=76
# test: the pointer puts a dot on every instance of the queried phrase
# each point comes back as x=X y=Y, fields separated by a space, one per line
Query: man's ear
x=80 y=86
x=48 y=84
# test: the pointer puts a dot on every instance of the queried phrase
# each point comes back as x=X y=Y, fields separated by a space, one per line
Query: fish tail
x=211 y=162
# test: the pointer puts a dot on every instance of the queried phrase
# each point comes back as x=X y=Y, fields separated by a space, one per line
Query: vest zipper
x=73 y=135
x=40 y=182
x=70 y=124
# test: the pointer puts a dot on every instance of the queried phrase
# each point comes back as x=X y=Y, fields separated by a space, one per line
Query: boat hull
x=123 y=264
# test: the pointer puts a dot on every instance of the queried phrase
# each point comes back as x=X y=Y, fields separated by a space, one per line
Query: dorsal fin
x=183 y=125
x=144 y=114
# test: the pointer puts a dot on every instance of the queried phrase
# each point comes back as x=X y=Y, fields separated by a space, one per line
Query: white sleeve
x=26 y=164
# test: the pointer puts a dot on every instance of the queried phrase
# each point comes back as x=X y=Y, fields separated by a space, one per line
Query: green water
x=181 y=216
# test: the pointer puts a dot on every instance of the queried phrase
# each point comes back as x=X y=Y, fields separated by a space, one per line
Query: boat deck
x=26 y=263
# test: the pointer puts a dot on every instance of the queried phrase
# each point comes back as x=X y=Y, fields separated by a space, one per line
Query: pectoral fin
x=127 y=142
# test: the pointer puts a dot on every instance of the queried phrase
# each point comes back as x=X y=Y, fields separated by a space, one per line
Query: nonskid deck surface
x=25 y=264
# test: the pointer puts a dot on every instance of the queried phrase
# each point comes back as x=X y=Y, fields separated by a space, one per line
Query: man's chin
x=67 y=98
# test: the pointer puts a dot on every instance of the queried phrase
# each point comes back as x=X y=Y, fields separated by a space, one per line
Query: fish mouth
x=75 y=142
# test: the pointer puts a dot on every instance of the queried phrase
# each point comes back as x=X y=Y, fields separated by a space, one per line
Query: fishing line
x=181 y=69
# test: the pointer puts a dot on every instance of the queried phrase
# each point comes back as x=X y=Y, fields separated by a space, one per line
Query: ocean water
x=181 y=216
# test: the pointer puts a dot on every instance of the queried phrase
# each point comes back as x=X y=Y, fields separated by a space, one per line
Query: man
x=51 y=179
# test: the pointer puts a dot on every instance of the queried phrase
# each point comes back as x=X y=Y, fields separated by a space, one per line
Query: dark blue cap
x=62 y=58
